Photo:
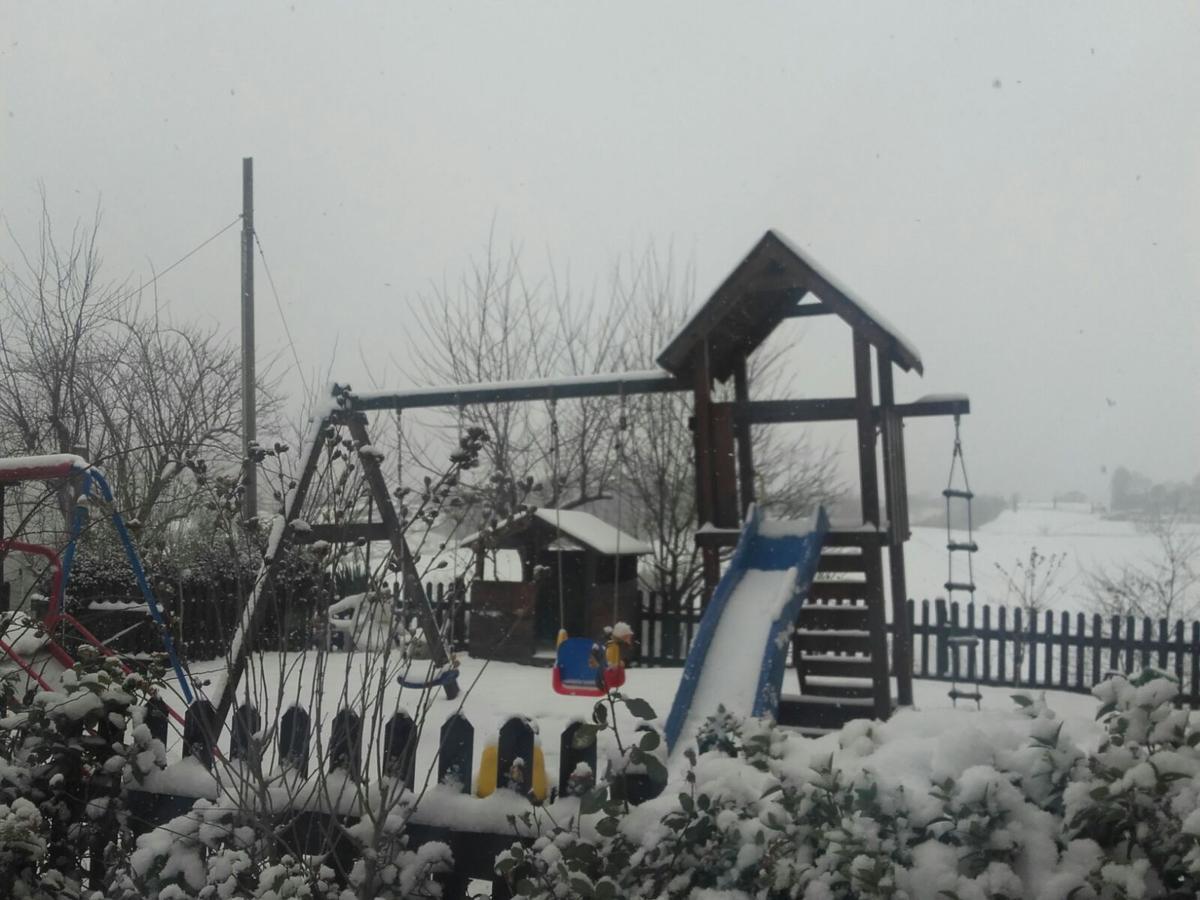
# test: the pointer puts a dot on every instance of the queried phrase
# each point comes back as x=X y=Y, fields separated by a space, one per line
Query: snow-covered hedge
x=930 y=806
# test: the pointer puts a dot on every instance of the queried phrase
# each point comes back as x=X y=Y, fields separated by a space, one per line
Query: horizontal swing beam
x=340 y=533
x=838 y=409
x=804 y=310
x=519 y=391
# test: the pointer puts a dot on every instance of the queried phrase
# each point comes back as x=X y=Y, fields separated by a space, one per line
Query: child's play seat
x=575 y=670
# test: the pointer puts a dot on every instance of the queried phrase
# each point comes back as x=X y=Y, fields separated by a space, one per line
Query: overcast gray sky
x=1015 y=185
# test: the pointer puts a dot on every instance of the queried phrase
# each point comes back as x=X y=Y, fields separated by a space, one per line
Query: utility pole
x=249 y=428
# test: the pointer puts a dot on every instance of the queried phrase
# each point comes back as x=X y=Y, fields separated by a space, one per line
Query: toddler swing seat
x=575 y=670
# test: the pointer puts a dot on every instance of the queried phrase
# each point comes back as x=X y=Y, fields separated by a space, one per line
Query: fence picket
x=577 y=747
x=1195 y=696
x=924 y=637
x=456 y=752
x=1002 y=655
x=345 y=744
x=1033 y=642
x=400 y=748
x=1080 y=643
x=295 y=730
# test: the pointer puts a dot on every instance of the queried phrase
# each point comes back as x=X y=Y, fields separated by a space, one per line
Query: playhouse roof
x=765 y=288
x=576 y=527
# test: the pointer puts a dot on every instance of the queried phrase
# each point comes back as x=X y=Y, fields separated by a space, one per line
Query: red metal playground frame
x=66 y=466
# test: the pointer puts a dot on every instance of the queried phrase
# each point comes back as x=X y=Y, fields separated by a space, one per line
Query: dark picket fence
x=324 y=833
x=1053 y=650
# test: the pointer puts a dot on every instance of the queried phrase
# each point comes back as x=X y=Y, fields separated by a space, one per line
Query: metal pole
x=249 y=432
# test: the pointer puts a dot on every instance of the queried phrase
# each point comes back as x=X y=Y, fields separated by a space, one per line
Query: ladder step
x=970 y=547
x=959 y=586
x=961 y=495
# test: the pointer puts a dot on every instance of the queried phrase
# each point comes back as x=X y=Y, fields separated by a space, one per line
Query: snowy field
x=1086 y=540
x=501 y=690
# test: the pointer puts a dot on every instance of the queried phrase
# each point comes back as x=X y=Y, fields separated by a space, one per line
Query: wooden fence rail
x=1058 y=650
x=1053 y=650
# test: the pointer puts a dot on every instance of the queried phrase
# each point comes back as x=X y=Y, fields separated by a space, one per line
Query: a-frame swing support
x=351 y=412
x=283 y=531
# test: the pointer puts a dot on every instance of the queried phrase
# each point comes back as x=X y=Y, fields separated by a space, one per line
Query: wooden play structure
x=587 y=564
x=840 y=646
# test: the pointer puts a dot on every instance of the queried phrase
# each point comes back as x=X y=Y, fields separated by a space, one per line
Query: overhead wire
x=145 y=284
x=282 y=317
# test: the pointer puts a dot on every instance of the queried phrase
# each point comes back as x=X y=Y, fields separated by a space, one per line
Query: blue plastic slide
x=739 y=653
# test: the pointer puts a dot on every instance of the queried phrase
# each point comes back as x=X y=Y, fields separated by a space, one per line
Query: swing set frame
x=774 y=283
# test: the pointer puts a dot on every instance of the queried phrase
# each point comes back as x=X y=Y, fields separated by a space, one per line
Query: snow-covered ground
x=498 y=690
x=1086 y=540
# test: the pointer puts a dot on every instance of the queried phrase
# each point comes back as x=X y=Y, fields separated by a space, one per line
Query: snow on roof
x=870 y=312
x=581 y=527
x=596 y=533
x=761 y=291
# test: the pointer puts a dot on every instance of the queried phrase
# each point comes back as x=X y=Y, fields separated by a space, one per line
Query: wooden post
x=251 y=619
x=868 y=479
x=387 y=514
x=705 y=507
x=741 y=390
x=895 y=490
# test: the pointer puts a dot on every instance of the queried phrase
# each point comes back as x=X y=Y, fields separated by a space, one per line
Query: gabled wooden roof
x=764 y=289
x=572 y=526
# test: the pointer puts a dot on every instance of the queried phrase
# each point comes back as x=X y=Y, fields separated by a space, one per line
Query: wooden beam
x=838 y=409
x=767 y=412
x=357 y=425
x=717 y=540
x=347 y=533
x=610 y=385
x=804 y=310
x=958 y=405
x=252 y=614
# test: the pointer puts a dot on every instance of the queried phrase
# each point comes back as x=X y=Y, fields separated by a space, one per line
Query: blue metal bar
x=68 y=558
x=140 y=575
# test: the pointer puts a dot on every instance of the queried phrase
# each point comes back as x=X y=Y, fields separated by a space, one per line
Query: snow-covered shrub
x=64 y=760
x=902 y=811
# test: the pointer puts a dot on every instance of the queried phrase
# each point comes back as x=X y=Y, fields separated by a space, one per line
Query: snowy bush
x=64 y=760
x=898 y=811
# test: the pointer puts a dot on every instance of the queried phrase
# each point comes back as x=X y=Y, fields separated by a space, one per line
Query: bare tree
x=500 y=326
x=84 y=365
x=497 y=326
x=1034 y=583
x=793 y=476
x=1165 y=585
